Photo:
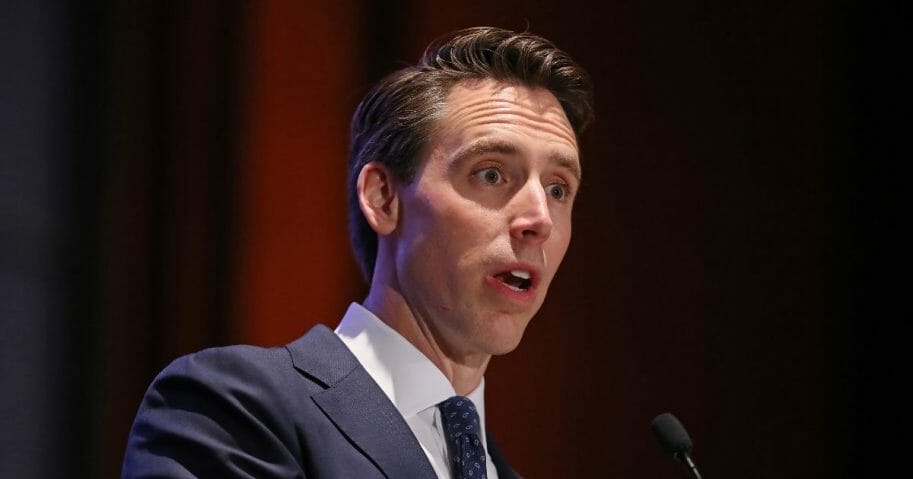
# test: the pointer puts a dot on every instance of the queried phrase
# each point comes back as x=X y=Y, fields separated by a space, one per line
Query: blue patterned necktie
x=464 y=441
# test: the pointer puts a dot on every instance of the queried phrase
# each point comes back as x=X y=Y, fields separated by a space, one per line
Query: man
x=463 y=174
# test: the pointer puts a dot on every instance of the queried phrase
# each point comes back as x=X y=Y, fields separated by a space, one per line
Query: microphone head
x=671 y=435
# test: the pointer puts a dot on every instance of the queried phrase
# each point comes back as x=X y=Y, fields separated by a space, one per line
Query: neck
x=463 y=370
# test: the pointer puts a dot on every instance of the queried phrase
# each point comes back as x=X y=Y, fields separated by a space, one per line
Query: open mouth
x=517 y=280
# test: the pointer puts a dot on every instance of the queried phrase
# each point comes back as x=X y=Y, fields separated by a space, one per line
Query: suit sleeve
x=217 y=413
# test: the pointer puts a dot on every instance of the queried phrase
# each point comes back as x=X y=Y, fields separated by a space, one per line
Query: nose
x=532 y=220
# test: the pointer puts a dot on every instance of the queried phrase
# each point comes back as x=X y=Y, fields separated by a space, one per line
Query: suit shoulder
x=244 y=360
x=318 y=355
x=220 y=411
x=239 y=370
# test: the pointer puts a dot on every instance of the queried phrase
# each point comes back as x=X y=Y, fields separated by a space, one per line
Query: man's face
x=487 y=219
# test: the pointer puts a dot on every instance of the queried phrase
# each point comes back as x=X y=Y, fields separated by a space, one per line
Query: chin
x=502 y=342
x=504 y=349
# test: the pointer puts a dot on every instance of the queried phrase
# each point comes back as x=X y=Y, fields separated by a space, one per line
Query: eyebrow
x=484 y=147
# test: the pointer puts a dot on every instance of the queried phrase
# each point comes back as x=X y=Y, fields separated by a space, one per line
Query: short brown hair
x=393 y=122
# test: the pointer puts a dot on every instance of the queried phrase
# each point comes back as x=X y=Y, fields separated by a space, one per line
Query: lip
x=518 y=297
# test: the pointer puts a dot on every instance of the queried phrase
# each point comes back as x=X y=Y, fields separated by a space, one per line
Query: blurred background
x=172 y=178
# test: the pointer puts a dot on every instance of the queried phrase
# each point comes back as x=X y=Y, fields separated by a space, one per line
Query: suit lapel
x=357 y=405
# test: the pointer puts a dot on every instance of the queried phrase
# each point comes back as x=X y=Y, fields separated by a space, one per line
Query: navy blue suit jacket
x=307 y=410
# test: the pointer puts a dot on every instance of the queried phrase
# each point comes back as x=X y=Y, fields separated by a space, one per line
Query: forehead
x=481 y=107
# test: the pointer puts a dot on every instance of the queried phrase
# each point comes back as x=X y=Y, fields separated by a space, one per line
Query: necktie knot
x=460 y=417
x=462 y=430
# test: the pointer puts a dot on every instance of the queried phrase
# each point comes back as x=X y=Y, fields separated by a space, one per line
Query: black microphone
x=674 y=439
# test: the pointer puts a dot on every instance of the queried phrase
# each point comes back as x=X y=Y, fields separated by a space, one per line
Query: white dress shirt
x=411 y=381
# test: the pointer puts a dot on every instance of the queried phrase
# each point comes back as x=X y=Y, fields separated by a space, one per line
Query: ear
x=377 y=197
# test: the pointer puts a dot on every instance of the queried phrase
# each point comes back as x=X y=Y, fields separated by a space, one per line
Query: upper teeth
x=520 y=274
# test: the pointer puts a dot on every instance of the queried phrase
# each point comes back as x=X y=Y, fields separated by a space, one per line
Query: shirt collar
x=411 y=381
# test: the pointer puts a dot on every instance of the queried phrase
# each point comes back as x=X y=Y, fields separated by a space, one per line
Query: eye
x=489 y=176
x=557 y=191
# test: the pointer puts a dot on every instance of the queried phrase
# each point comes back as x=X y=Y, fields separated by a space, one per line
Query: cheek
x=558 y=244
x=436 y=235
